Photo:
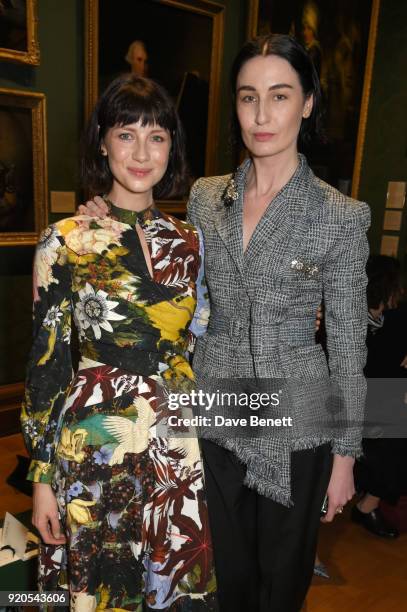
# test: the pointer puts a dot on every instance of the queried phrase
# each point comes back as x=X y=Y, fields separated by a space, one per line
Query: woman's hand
x=94 y=208
x=45 y=514
x=318 y=318
x=341 y=486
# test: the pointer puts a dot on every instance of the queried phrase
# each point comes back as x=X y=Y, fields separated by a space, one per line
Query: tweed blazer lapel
x=229 y=222
x=285 y=221
x=287 y=217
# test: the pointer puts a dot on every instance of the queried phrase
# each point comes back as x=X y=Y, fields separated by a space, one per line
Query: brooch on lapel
x=309 y=270
x=231 y=194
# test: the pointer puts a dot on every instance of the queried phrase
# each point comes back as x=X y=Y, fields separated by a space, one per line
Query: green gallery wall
x=60 y=76
x=385 y=150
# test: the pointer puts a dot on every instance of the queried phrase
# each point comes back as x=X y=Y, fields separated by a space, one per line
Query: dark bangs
x=133 y=102
x=130 y=99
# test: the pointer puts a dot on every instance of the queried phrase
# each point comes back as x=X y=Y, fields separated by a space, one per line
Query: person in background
x=381 y=472
x=137 y=57
x=310 y=19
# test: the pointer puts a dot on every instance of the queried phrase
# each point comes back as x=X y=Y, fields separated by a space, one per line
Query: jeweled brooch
x=231 y=194
x=309 y=270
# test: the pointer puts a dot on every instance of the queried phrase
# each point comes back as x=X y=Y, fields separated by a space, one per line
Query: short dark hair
x=384 y=282
x=290 y=49
x=129 y=99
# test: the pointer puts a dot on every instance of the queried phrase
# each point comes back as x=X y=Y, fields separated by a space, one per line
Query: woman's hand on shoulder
x=45 y=514
x=94 y=208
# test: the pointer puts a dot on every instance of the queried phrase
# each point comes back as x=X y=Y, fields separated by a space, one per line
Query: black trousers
x=382 y=471
x=264 y=551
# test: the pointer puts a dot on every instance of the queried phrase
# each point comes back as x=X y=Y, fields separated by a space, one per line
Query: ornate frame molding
x=367 y=82
x=32 y=55
x=364 y=105
x=37 y=103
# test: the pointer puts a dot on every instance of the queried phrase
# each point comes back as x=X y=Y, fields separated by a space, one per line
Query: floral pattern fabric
x=131 y=499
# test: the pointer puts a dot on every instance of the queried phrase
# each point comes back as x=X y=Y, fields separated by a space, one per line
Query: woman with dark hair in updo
x=120 y=506
x=277 y=241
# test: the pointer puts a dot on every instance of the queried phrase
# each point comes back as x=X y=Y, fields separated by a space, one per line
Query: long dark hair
x=290 y=49
x=129 y=99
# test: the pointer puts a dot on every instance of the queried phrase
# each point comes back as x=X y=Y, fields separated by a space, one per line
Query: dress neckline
x=132 y=217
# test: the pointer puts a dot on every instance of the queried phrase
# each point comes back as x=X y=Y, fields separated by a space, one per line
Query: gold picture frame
x=196 y=9
x=31 y=55
x=364 y=105
x=254 y=16
x=23 y=167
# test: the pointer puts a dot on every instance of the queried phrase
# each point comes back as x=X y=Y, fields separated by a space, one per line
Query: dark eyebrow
x=272 y=88
x=130 y=129
x=281 y=86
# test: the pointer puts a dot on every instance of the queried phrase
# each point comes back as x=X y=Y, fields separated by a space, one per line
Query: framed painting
x=176 y=42
x=18 y=31
x=23 y=167
x=340 y=36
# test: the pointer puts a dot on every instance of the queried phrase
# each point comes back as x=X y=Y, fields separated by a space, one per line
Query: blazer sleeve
x=192 y=215
x=49 y=369
x=200 y=319
x=344 y=287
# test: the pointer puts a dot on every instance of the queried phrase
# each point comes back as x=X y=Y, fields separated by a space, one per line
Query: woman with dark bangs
x=277 y=241
x=120 y=508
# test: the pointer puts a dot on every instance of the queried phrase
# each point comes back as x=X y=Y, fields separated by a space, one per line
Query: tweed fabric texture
x=309 y=246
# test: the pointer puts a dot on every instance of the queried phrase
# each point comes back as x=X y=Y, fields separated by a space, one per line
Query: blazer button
x=236 y=328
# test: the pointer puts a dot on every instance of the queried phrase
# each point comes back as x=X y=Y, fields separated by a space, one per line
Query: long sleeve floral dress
x=131 y=501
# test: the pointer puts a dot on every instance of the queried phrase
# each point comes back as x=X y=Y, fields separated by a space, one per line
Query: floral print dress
x=131 y=501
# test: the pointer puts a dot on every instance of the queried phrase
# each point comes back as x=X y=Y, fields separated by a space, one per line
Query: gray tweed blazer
x=309 y=246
